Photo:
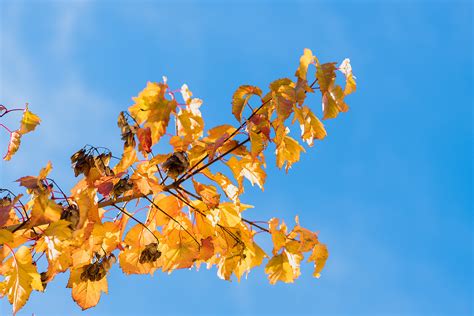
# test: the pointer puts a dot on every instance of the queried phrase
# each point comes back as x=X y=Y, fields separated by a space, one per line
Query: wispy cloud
x=61 y=104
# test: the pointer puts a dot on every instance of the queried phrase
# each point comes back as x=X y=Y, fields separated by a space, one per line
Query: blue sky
x=389 y=190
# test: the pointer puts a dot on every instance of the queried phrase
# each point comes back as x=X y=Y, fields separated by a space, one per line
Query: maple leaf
x=144 y=179
x=241 y=97
x=283 y=267
x=45 y=209
x=333 y=102
x=230 y=190
x=288 y=152
x=208 y=193
x=279 y=237
x=333 y=95
x=136 y=241
x=129 y=157
x=247 y=168
x=170 y=204
x=6 y=236
x=179 y=251
x=346 y=68
x=252 y=257
x=86 y=293
x=311 y=126
x=190 y=124
x=21 y=278
x=29 y=121
x=305 y=61
x=153 y=109
x=54 y=242
x=319 y=256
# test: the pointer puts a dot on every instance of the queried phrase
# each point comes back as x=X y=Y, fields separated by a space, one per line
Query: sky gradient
x=389 y=190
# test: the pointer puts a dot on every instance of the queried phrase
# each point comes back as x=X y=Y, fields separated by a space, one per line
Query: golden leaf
x=86 y=293
x=241 y=98
x=288 y=152
x=45 y=209
x=129 y=157
x=311 y=126
x=208 y=193
x=6 y=236
x=29 y=121
x=346 y=68
x=179 y=251
x=136 y=241
x=248 y=168
x=319 y=256
x=153 y=109
x=305 y=61
x=333 y=102
x=278 y=234
x=283 y=267
x=21 y=278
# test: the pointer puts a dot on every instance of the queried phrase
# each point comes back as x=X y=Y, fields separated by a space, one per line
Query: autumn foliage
x=148 y=211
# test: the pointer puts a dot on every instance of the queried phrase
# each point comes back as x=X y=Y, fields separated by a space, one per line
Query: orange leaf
x=241 y=98
x=21 y=278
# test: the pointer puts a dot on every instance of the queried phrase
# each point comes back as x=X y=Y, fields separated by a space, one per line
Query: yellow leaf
x=208 y=193
x=105 y=236
x=20 y=279
x=45 y=208
x=153 y=109
x=190 y=124
x=248 y=168
x=241 y=98
x=282 y=267
x=179 y=251
x=326 y=75
x=333 y=102
x=136 y=241
x=257 y=144
x=278 y=234
x=288 y=152
x=311 y=126
x=54 y=242
x=319 y=256
x=216 y=132
x=253 y=256
x=86 y=201
x=229 y=214
x=86 y=293
x=305 y=61
x=346 y=68
x=6 y=236
x=45 y=171
x=230 y=190
x=129 y=157
x=148 y=99
x=29 y=121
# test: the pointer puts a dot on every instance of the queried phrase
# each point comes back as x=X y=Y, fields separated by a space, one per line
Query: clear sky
x=389 y=190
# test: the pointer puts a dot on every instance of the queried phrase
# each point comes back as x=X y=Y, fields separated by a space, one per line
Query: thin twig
x=136 y=220
x=173 y=219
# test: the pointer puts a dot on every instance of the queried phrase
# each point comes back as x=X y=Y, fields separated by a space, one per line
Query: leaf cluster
x=170 y=210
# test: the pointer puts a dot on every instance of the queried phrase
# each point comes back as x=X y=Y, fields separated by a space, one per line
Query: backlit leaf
x=241 y=97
